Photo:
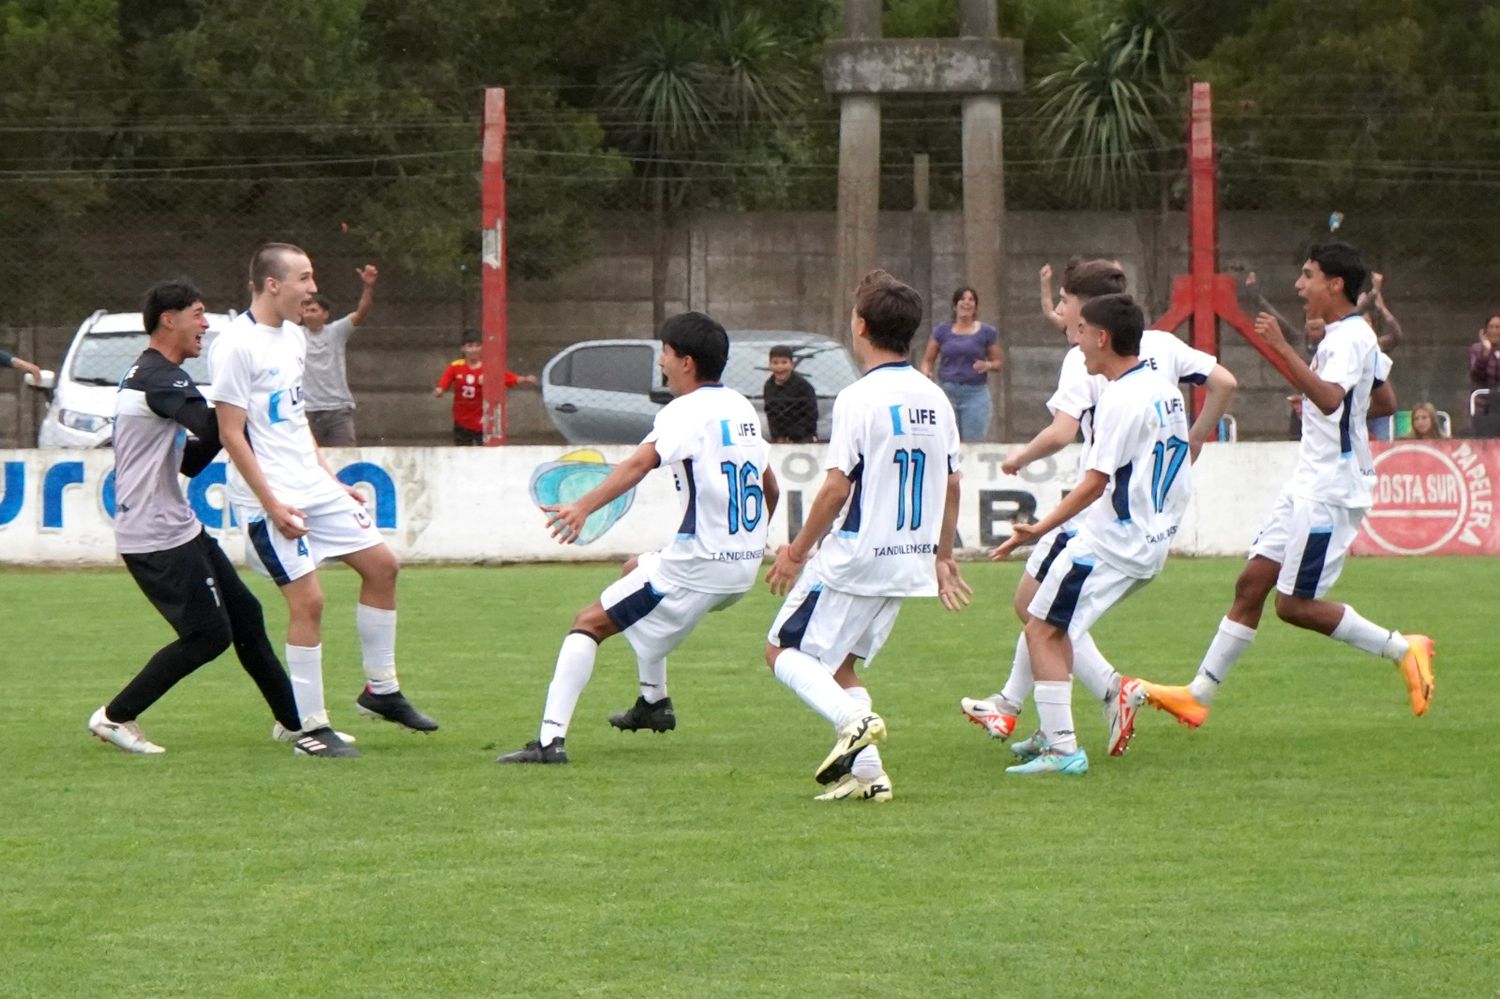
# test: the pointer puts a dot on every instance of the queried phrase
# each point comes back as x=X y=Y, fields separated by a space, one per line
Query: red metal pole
x=494 y=311
x=1203 y=222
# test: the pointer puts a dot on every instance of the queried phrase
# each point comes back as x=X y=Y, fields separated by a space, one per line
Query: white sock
x=1018 y=685
x=1228 y=645
x=575 y=664
x=812 y=682
x=1054 y=707
x=1368 y=637
x=306 y=668
x=377 y=647
x=867 y=764
x=653 y=676
x=1091 y=669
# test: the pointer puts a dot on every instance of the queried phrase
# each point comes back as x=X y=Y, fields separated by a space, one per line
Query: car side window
x=610 y=368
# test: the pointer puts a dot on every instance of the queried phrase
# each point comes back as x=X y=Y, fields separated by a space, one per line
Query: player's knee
x=630 y=565
x=1293 y=610
x=772 y=652
x=306 y=606
x=209 y=638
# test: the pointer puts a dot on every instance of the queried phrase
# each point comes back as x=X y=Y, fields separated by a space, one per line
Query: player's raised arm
x=1327 y=396
x=1062 y=431
x=565 y=521
x=1089 y=489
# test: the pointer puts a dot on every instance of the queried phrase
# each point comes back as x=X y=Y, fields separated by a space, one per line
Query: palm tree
x=690 y=103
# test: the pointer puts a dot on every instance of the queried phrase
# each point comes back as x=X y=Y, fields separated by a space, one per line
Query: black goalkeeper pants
x=196 y=589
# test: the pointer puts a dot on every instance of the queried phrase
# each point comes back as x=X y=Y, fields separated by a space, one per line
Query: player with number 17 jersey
x=895 y=436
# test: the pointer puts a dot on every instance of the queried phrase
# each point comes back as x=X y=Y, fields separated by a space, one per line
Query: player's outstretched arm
x=1062 y=431
x=565 y=521
x=285 y=518
x=953 y=591
x=1327 y=396
x=204 y=446
x=1220 y=389
x=1090 y=489
x=825 y=507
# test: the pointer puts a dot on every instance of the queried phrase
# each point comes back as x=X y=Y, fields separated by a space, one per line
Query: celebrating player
x=710 y=436
x=1073 y=408
x=182 y=571
x=1300 y=549
x=892 y=482
x=1135 y=487
x=296 y=512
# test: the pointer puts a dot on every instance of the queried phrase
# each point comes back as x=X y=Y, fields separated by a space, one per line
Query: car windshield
x=824 y=363
x=103 y=358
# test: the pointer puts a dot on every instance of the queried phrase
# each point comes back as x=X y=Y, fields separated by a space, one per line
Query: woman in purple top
x=965 y=351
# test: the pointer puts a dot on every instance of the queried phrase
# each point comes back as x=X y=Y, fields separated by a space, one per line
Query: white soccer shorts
x=653 y=616
x=1079 y=589
x=1047 y=548
x=336 y=527
x=830 y=625
x=1308 y=540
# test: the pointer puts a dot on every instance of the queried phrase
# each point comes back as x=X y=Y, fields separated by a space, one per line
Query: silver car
x=609 y=391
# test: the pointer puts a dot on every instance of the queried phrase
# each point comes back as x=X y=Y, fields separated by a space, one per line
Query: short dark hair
x=782 y=350
x=959 y=293
x=270 y=262
x=323 y=302
x=1340 y=260
x=1121 y=318
x=695 y=335
x=892 y=311
x=1092 y=278
x=471 y=336
x=168 y=296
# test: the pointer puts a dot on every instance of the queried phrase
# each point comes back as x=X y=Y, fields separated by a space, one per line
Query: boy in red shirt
x=466 y=376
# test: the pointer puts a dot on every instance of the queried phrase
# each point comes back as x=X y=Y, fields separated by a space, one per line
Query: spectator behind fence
x=1484 y=364
x=791 y=401
x=325 y=384
x=466 y=377
x=9 y=360
x=964 y=352
x=1424 y=423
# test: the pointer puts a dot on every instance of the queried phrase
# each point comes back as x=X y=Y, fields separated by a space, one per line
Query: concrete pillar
x=858 y=222
x=921 y=247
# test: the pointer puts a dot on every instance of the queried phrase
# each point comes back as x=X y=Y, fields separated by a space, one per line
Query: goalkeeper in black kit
x=182 y=570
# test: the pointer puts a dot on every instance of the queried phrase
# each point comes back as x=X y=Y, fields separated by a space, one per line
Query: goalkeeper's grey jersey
x=155 y=408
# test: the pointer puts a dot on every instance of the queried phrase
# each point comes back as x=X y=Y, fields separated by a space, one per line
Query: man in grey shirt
x=325 y=384
x=182 y=570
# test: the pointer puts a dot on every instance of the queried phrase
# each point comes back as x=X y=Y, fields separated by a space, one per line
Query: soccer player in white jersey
x=1072 y=406
x=709 y=436
x=295 y=512
x=892 y=485
x=1129 y=504
x=1301 y=547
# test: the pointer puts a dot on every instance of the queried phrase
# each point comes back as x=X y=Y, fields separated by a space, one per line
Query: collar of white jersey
x=887 y=364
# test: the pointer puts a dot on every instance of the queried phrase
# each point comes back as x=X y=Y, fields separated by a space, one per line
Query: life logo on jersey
x=916 y=421
x=1435 y=497
x=557 y=483
x=284 y=402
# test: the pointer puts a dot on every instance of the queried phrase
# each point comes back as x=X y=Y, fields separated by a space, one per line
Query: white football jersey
x=1141 y=443
x=895 y=437
x=1333 y=462
x=711 y=439
x=259 y=369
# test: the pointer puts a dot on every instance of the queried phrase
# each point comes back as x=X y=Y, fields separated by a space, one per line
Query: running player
x=892 y=483
x=710 y=436
x=295 y=511
x=182 y=571
x=1135 y=487
x=1300 y=549
x=1073 y=406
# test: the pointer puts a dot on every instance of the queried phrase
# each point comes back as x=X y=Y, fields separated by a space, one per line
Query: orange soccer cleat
x=1416 y=670
x=1178 y=702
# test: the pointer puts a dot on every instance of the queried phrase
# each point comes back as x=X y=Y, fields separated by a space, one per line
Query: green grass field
x=1312 y=839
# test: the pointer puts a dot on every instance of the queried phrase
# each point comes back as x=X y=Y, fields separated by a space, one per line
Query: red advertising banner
x=1433 y=498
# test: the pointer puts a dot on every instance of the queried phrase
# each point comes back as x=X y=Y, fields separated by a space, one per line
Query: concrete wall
x=766 y=271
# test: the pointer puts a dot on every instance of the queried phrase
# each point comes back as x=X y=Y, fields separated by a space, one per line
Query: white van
x=83 y=399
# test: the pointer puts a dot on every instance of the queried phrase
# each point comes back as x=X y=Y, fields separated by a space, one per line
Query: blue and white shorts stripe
x=1079 y=589
x=1309 y=540
x=653 y=616
x=336 y=527
x=1047 y=548
x=831 y=625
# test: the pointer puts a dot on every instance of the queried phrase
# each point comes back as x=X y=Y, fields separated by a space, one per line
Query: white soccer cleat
x=281 y=733
x=851 y=788
x=1119 y=714
x=125 y=735
x=991 y=715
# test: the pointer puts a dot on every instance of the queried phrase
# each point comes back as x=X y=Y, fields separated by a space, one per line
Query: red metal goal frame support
x=1203 y=294
x=494 y=300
